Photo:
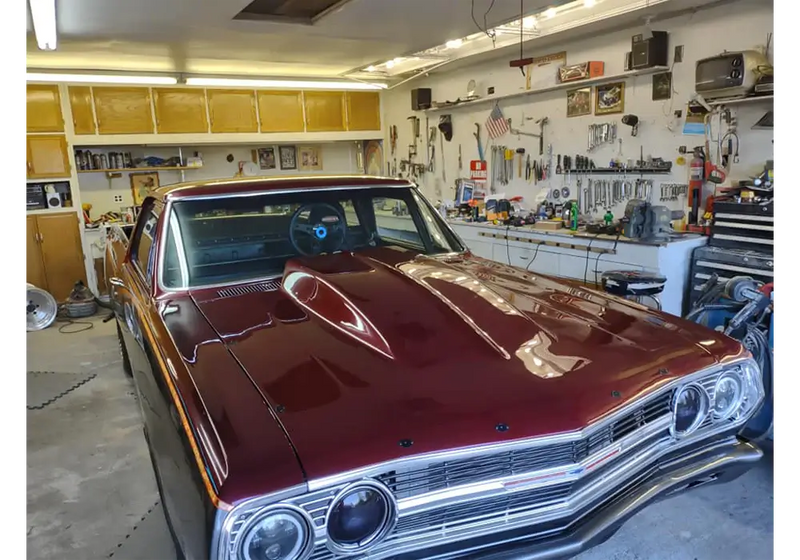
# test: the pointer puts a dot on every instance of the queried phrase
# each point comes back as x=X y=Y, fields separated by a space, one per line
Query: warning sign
x=477 y=171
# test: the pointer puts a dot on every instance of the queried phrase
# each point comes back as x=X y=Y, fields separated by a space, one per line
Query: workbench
x=584 y=256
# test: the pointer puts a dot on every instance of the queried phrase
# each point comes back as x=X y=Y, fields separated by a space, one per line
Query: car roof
x=245 y=185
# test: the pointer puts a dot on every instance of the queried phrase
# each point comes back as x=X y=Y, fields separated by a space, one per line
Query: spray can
x=573 y=217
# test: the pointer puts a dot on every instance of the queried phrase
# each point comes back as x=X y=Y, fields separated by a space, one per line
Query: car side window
x=393 y=221
x=143 y=245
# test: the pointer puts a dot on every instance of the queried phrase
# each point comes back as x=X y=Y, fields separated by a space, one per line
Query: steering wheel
x=316 y=228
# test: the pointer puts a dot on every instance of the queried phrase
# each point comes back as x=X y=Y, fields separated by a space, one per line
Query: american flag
x=496 y=124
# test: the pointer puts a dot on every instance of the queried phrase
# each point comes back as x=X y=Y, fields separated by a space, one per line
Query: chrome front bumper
x=719 y=461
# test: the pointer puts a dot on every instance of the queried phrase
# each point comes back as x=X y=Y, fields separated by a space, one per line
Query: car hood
x=358 y=352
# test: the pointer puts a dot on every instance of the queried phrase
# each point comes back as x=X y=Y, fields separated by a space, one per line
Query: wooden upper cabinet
x=281 y=111
x=47 y=156
x=123 y=110
x=80 y=100
x=324 y=111
x=232 y=110
x=44 y=109
x=363 y=110
x=180 y=110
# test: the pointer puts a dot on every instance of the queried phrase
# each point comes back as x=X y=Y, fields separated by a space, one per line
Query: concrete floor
x=92 y=495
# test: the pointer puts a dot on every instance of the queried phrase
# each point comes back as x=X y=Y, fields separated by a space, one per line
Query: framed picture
x=266 y=158
x=662 y=86
x=288 y=156
x=579 y=102
x=142 y=184
x=310 y=158
x=609 y=98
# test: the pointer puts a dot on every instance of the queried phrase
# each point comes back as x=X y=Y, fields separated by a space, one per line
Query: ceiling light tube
x=454 y=44
x=43 y=13
x=589 y=3
x=302 y=84
x=100 y=79
x=551 y=12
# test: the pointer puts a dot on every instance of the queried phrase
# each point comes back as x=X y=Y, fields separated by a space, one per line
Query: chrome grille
x=268 y=286
x=438 y=476
x=482 y=510
x=494 y=510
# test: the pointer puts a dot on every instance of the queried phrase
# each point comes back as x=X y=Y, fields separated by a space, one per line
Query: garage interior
x=589 y=140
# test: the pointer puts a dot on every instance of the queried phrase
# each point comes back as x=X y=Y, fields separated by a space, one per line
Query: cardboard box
x=549 y=224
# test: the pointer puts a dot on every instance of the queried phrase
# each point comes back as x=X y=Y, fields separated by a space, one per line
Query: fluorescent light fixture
x=43 y=13
x=390 y=64
x=302 y=84
x=551 y=13
x=589 y=3
x=100 y=79
x=454 y=44
x=370 y=68
x=529 y=22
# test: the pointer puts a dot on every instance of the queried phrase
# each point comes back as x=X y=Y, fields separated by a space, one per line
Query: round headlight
x=689 y=410
x=281 y=533
x=360 y=516
x=728 y=395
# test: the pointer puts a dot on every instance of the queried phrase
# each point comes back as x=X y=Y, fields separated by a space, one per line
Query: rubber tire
x=123 y=352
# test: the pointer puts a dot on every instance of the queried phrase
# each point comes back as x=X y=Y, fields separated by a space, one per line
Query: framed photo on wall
x=310 y=158
x=288 y=155
x=579 y=102
x=266 y=158
x=662 y=86
x=142 y=184
x=609 y=98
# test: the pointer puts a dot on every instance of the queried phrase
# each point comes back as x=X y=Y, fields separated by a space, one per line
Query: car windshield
x=238 y=238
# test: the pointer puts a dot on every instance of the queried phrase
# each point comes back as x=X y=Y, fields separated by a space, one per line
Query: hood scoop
x=268 y=286
x=317 y=295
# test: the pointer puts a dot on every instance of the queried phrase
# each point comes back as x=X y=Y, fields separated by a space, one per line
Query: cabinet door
x=80 y=100
x=281 y=111
x=180 y=110
x=324 y=110
x=232 y=110
x=44 y=109
x=123 y=110
x=61 y=252
x=363 y=110
x=35 y=267
x=47 y=156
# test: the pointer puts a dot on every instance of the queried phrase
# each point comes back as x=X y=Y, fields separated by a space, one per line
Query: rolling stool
x=634 y=285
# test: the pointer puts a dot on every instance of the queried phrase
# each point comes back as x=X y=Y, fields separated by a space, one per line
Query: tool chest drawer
x=727 y=263
x=743 y=226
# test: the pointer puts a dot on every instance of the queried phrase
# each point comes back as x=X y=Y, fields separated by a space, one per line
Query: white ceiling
x=200 y=36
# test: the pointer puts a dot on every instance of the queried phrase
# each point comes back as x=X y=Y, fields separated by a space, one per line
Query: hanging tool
x=459 y=157
x=430 y=143
x=414 y=128
x=541 y=122
x=441 y=151
x=520 y=152
x=477 y=135
x=393 y=138
x=528 y=168
x=558 y=167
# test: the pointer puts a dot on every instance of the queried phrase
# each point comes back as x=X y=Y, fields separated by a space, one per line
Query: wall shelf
x=569 y=85
x=740 y=100
x=618 y=171
x=137 y=169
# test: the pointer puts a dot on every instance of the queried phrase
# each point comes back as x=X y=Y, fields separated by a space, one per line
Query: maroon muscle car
x=325 y=371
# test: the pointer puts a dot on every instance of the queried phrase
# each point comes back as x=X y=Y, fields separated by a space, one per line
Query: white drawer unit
x=584 y=258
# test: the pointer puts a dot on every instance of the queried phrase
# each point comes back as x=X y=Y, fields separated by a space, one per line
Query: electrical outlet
x=678 y=53
x=118 y=198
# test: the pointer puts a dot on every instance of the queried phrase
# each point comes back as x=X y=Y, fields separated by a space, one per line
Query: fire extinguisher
x=696 y=181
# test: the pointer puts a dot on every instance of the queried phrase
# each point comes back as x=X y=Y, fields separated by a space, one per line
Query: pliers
x=528 y=168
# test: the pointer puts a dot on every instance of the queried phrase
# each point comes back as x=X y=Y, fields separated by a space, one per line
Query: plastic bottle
x=573 y=218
